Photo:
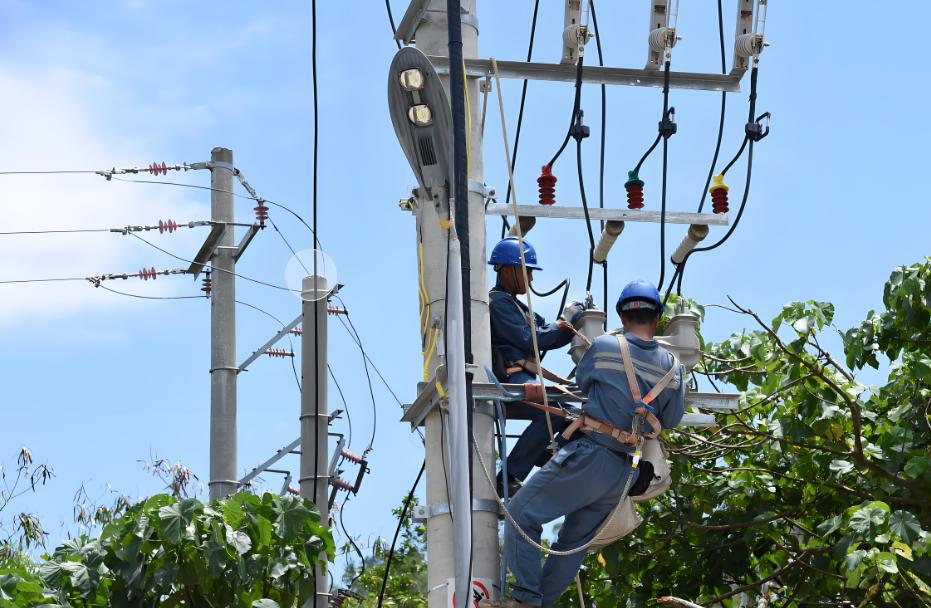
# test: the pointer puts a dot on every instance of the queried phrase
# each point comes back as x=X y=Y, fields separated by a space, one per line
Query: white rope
x=523 y=261
x=578 y=587
x=524 y=535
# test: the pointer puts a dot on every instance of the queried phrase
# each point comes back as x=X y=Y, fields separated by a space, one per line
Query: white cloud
x=57 y=119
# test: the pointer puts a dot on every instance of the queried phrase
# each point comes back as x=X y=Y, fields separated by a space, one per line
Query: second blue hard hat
x=507 y=251
x=639 y=294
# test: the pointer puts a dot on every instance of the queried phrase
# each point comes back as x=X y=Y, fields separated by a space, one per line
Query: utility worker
x=585 y=480
x=512 y=352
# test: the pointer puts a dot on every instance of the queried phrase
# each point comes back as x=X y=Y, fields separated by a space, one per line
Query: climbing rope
x=524 y=535
x=523 y=261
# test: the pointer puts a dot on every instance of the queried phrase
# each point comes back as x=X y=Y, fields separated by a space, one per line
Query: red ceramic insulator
x=342 y=484
x=634 y=196
x=207 y=285
x=352 y=457
x=547 y=184
x=719 y=202
x=297 y=331
x=335 y=310
x=158 y=169
x=279 y=353
x=148 y=273
x=168 y=226
x=261 y=213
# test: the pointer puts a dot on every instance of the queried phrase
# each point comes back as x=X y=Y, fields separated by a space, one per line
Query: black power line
x=397 y=532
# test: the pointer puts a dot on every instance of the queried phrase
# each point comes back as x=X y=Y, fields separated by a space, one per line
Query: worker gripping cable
x=512 y=352
x=588 y=477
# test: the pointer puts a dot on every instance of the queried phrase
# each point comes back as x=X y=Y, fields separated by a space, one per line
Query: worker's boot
x=507 y=602
x=513 y=485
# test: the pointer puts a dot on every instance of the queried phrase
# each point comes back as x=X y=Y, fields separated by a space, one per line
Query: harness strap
x=635 y=386
x=531 y=367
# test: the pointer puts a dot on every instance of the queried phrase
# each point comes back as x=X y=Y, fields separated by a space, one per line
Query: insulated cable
x=342 y=399
x=520 y=111
x=313 y=72
x=397 y=532
x=141 y=297
x=754 y=132
x=601 y=163
x=680 y=268
x=351 y=542
x=394 y=33
x=565 y=294
x=520 y=240
x=235 y=274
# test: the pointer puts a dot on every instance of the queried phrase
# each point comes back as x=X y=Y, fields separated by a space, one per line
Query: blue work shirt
x=510 y=330
x=601 y=374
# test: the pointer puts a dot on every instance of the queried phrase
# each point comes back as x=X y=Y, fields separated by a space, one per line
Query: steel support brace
x=425 y=512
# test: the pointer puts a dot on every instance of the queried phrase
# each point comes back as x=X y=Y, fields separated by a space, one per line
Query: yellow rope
x=520 y=239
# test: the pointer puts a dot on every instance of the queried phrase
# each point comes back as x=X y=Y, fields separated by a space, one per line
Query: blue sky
x=95 y=382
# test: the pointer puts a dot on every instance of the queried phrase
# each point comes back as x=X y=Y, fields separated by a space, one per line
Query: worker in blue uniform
x=585 y=480
x=512 y=351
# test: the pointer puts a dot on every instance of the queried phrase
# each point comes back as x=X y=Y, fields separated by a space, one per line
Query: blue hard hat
x=639 y=294
x=507 y=251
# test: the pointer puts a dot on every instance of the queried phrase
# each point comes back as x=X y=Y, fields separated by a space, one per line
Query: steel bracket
x=425 y=512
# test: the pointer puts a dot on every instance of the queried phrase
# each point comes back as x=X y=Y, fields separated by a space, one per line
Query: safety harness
x=642 y=408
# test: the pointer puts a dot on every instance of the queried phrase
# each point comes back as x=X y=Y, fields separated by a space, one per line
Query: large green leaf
x=905 y=525
x=291 y=517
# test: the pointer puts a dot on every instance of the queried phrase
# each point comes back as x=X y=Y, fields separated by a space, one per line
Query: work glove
x=573 y=311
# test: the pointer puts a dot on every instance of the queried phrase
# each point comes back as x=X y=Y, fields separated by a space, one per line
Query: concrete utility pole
x=432 y=38
x=314 y=477
x=223 y=370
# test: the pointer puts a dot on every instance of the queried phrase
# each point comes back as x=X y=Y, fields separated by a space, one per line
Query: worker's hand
x=565 y=325
x=573 y=311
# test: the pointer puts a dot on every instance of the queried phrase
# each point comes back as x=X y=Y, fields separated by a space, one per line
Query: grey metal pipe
x=314 y=473
x=223 y=480
x=695 y=235
x=613 y=229
x=459 y=444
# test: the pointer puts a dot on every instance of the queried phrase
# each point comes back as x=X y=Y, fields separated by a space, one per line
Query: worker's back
x=601 y=374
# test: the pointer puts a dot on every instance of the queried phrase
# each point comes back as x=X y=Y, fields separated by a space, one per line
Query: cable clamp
x=755 y=130
x=667 y=126
x=219 y=164
x=579 y=131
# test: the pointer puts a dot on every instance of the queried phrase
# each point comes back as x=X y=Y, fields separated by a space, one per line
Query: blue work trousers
x=583 y=482
x=532 y=448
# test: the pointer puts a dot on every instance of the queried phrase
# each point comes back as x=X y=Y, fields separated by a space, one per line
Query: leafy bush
x=244 y=551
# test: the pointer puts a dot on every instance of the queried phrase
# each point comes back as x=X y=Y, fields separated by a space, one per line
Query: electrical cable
x=520 y=111
x=235 y=194
x=565 y=294
x=313 y=72
x=141 y=297
x=601 y=164
x=394 y=30
x=50 y=280
x=397 y=532
x=747 y=144
x=71 y=231
x=351 y=542
x=575 y=109
x=235 y=274
x=717 y=146
x=666 y=132
x=342 y=399
x=680 y=268
x=365 y=361
x=588 y=221
x=297 y=380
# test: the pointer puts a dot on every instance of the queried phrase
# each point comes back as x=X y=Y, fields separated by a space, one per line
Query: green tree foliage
x=246 y=551
x=817 y=489
x=815 y=492
x=407 y=583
